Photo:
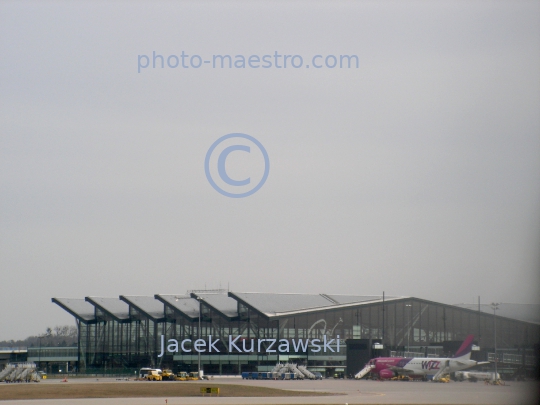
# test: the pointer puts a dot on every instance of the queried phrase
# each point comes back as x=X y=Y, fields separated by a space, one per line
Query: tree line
x=65 y=335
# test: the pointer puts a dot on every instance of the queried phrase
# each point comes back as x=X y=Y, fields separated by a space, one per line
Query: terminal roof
x=78 y=307
x=349 y=299
x=147 y=305
x=220 y=302
x=117 y=309
x=185 y=304
x=522 y=312
x=272 y=305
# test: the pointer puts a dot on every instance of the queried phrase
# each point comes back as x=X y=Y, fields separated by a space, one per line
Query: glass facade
x=401 y=324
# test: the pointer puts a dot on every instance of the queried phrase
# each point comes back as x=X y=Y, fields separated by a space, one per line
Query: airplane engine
x=386 y=373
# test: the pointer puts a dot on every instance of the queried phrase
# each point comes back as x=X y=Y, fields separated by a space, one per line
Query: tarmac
x=345 y=392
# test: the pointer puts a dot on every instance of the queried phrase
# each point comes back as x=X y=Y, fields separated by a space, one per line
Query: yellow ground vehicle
x=194 y=375
x=154 y=375
x=167 y=375
x=150 y=374
x=181 y=376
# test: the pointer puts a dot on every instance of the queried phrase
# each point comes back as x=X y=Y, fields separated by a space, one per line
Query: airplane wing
x=477 y=363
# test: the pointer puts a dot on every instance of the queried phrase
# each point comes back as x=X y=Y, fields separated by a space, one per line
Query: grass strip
x=138 y=389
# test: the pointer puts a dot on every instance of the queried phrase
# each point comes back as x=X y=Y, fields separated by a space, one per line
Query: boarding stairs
x=300 y=372
x=13 y=375
x=306 y=372
x=364 y=371
x=22 y=375
x=26 y=375
x=284 y=368
x=444 y=370
x=277 y=368
x=5 y=372
x=297 y=373
x=17 y=376
x=19 y=372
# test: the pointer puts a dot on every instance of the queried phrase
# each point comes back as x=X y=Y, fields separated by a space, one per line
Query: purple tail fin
x=466 y=347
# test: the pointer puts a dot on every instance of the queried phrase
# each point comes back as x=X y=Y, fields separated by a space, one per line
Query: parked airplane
x=389 y=367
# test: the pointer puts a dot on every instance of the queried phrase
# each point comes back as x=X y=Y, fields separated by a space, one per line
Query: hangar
x=127 y=332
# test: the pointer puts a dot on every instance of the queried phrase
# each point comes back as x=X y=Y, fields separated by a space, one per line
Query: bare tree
x=65 y=335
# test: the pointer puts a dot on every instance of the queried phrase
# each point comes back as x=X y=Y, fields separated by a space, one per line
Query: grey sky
x=417 y=173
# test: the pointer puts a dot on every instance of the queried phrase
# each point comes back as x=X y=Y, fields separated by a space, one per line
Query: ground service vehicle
x=194 y=375
x=154 y=375
x=150 y=374
x=181 y=376
x=143 y=372
x=167 y=375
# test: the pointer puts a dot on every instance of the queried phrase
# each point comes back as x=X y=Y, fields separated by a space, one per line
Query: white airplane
x=389 y=367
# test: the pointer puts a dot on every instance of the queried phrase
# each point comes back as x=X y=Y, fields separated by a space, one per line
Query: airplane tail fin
x=465 y=349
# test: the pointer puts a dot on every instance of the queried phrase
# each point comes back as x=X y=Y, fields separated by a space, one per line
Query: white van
x=147 y=373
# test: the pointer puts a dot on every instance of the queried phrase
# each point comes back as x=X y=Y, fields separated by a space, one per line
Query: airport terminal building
x=327 y=333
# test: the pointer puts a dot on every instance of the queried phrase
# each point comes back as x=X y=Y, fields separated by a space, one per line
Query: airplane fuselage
x=388 y=367
x=421 y=366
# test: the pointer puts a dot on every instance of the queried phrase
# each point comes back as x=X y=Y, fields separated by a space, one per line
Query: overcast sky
x=417 y=173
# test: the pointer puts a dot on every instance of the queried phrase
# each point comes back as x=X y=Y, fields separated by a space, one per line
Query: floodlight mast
x=494 y=307
x=200 y=299
x=409 y=327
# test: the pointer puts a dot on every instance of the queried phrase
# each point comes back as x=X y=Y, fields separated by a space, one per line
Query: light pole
x=200 y=299
x=409 y=326
x=494 y=307
x=199 y=352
